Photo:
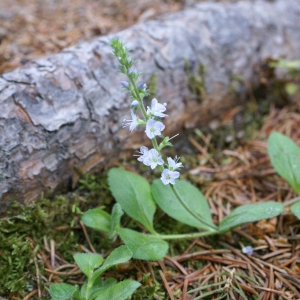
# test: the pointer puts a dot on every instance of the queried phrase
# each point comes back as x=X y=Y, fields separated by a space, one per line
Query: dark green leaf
x=120 y=291
x=116 y=215
x=251 y=213
x=100 y=285
x=285 y=158
x=87 y=262
x=133 y=193
x=97 y=218
x=167 y=201
x=143 y=246
x=120 y=255
x=62 y=291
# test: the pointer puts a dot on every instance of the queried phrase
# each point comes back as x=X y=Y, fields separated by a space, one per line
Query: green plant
x=285 y=158
x=139 y=200
x=177 y=198
x=94 y=287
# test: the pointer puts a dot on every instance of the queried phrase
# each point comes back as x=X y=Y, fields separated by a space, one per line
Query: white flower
x=131 y=123
x=154 y=128
x=174 y=164
x=153 y=159
x=156 y=109
x=144 y=153
x=168 y=176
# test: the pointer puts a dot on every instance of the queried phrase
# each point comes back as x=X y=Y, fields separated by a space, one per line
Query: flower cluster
x=151 y=118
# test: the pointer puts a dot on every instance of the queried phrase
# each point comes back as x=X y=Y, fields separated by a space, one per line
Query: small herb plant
x=92 y=266
x=177 y=198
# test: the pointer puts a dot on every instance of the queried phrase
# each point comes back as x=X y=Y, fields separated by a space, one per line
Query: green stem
x=190 y=211
x=184 y=235
x=88 y=288
x=142 y=107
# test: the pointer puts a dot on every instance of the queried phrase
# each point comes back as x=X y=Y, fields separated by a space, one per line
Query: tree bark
x=66 y=110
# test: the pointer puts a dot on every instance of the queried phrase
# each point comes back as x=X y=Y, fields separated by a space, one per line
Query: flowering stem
x=142 y=107
x=190 y=211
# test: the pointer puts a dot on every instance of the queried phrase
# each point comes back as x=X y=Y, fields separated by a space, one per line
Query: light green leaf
x=295 y=208
x=62 y=291
x=116 y=215
x=99 y=286
x=97 y=218
x=166 y=200
x=87 y=262
x=120 y=255
x=251 y=213
x=120 y=291
x=133 y=193
x=143 y=246
x=285 y=158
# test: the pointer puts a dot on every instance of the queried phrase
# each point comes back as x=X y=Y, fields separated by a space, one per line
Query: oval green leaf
x=87 y=262
x=97 y=218
x=120 y=291
x=120 y=255
x=166 y=200
x=285 y=158
x=133 y=193
x=251 y=213
x=143 y=246
x=62 y=291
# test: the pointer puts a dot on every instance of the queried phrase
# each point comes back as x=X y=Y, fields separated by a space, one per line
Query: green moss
x=25 y=226
x=196 y=81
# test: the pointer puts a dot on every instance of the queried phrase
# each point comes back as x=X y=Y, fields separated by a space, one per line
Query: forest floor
x=227 y=160
x=31 y=29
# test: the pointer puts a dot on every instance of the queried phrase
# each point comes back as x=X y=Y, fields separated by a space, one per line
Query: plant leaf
x=251 y=213
x=295 y=208
x=143 y=246
x=133 y=193
x=285 y=158
x=120 y=291
x=166 y=200
x=97 y=218
x=116 y=215
x=99 y=286
x=87 y=262
x=62 y=291
x=120 y=255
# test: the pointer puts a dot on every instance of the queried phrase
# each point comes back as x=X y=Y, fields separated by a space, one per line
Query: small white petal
x=154 y=128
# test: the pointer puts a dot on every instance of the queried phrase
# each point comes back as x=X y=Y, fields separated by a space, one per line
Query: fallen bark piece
x=65 y=111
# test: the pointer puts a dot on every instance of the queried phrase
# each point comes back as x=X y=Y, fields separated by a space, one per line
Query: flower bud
x=132 y=70
x=125 y=84
x=134 y=103
x=142 y=86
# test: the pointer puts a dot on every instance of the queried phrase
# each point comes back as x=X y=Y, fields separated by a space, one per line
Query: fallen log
x=66 y=110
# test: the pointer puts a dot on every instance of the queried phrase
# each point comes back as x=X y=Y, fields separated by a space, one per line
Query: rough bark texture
x=66 y=110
